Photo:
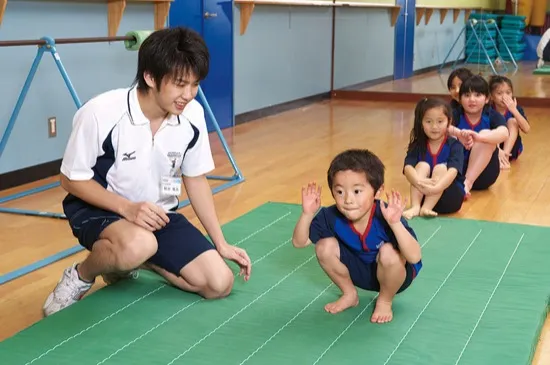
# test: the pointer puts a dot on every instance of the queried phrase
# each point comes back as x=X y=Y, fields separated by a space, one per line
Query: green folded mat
x=481 y=298
x=544 y=70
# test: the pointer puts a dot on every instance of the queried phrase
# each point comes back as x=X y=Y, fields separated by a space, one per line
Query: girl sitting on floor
x=503 y=101
x=484 y=129
x=434 y=163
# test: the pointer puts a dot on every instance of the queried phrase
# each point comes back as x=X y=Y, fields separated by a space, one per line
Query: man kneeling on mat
x=359 y=241
x=123 y=168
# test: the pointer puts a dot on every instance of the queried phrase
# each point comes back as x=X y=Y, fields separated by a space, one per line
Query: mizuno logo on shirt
x=128 y=156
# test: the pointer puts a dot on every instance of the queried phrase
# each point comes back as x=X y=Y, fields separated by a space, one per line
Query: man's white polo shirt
x=112 y=143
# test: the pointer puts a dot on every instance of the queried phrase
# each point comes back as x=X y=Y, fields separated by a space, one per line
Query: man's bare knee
x=137 y=248
x=388 y=256
x=131 y=245
x=327 y=248
x=219 y=286
x=209 y=275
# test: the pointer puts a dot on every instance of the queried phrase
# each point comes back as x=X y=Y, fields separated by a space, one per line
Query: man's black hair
x=172 y=52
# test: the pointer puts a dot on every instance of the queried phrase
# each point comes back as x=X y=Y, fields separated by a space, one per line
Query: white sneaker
x=69 y=290
x=540 y=63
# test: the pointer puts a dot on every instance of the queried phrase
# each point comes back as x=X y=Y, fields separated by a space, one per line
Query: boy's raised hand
x=394 y=210
x=311 y=198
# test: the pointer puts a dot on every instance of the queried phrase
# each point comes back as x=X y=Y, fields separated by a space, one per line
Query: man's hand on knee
x=238 y=256
x=146 y=215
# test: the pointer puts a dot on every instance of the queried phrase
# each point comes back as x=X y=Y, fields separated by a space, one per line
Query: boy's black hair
x=462 y=73
x=474 y=84
x=358 y=160
x=418 y=139
x=172 y=52
x=496 y=80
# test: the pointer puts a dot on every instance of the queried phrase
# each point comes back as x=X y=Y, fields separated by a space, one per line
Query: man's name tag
x=170 y=185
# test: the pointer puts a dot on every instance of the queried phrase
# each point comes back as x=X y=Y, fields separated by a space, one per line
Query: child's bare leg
x=431 y=200
x=391 y=274
x=328 y=255
x=480 y=156
x=503 y=160
x=423 y=171
x=513 y=129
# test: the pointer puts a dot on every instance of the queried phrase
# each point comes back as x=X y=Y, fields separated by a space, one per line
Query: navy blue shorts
x=179 y=242
x=364 y=275
x=546 y=53
x=489 y=175
x=451 y=200
x=517 y=149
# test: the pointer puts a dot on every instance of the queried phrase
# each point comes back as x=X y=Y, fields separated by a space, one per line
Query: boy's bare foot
x=411 y=212
x=382 y=312
x=344 y=302
x=427 y=213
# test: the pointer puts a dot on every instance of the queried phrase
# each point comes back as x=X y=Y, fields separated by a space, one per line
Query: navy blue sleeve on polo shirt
x=456 y=155
x=329 y=222
x=490 y=119
x=457 y=112
x=495 y=119
x=322 y=225
x=521 y=111
x=508 y=115
x=412 y=158
x=451 y=153
x=455 y=106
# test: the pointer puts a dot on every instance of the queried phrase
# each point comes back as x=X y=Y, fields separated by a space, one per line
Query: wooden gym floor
x=525 y=83
x=276 y=163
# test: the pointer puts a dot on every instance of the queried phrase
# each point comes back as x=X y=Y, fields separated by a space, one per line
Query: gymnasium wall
x=432 y=42
x=93 y=68
x=285 y=53
x=289 y=42
x=493 y=4
x=364 y=46
x=283 y=56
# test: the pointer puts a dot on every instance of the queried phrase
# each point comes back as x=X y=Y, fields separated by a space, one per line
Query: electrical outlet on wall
x=52 y=127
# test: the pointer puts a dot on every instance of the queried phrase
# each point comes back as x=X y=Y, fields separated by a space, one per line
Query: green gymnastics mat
x=544 y=70
x=481 y=298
